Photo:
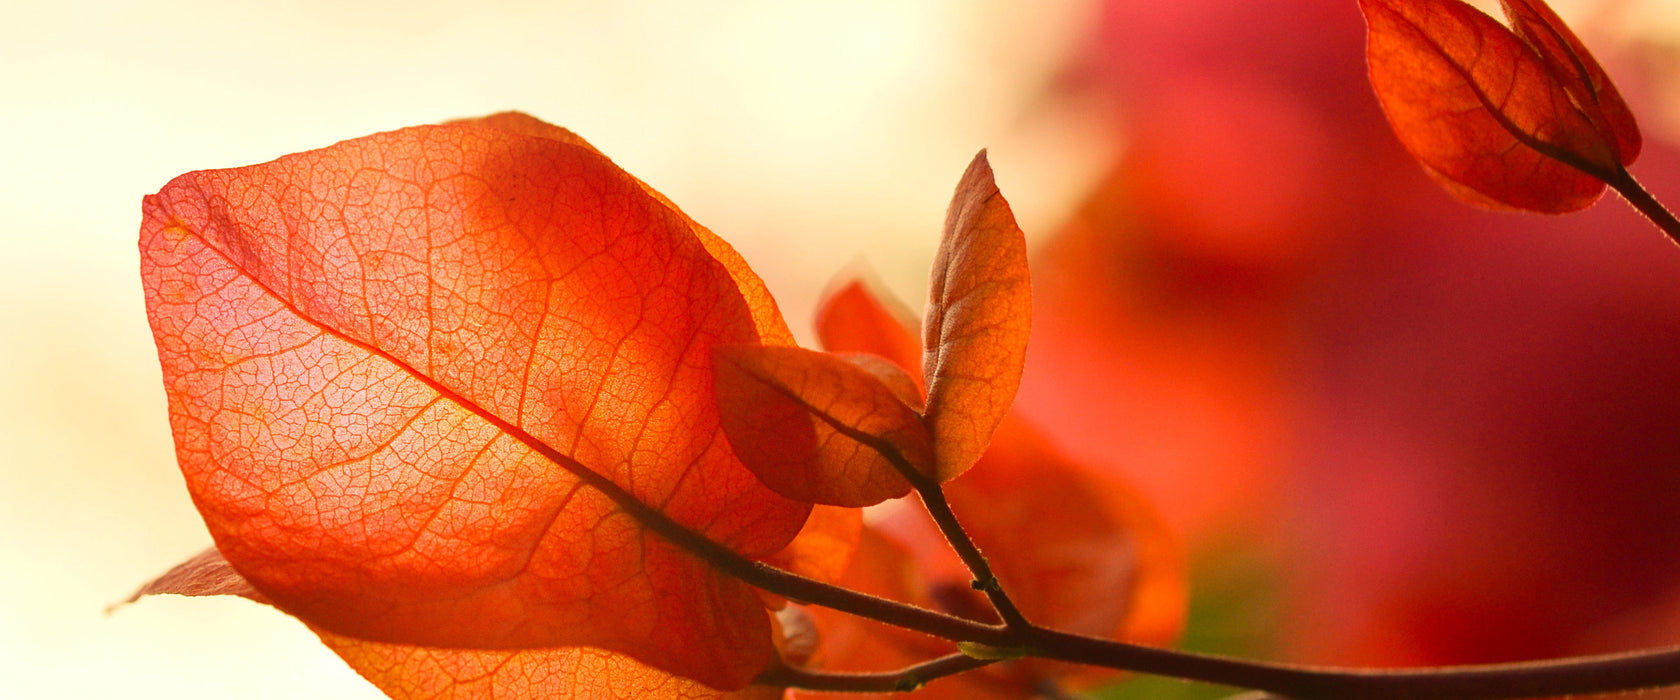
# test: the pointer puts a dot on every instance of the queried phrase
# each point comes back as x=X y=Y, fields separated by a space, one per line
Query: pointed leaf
x=434 y=387
x=817 y=428
x=978 y=317
x=1578 y=72
x=206 y=574
x=854 y=319
x=1478 y=107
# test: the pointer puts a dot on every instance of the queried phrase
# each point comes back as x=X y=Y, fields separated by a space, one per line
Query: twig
x=1636 y=195
x=904 y=679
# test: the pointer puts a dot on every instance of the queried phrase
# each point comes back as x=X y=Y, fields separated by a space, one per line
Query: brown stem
x=1577 y=675
x=1636 y=195
x=902 y=680
x=933 y=498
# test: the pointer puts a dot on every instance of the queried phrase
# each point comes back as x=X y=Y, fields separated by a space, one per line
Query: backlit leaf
x=772 y=329
x=815 y=427
x=1578 y=72
x=978 y=317
x=430 y=387
x=1480 y=108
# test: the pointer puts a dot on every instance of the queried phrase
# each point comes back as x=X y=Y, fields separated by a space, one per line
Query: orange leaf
x=772 y=328
x=1481 y=109
x=815 y=427
x=432 y=386
x=423 y=673
x=979 y=314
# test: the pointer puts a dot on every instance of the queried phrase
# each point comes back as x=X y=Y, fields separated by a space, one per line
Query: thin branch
x=1580 y=675
x=933 y=498
x=1577 y=675
x=1636 y=195
x=904 y=679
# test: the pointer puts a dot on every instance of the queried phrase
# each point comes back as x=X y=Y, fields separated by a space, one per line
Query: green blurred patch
x=1234 y=594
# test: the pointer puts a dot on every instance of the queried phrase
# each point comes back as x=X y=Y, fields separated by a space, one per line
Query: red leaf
x=815 y=427
x=430 y=387
x=979 y=314
x=854 y=319
x=825 y=545
x=854 y=323
x=1578 y=72
x=1481 y=109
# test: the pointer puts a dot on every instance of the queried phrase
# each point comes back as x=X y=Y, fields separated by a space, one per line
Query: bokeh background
x=1391 y=429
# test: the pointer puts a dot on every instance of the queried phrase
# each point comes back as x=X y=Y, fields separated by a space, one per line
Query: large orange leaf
x=978 y=317
x=772 y=329
x=423 y=673
x=430 y=387
x=1488 y=115
x=815 y=427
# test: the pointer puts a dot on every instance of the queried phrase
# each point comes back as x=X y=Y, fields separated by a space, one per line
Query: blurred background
x=1391 y=428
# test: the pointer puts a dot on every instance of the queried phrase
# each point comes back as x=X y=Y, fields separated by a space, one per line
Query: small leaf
x=1480 y=108
x=815 y=427
x=979 y=314
x=1578 y=72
